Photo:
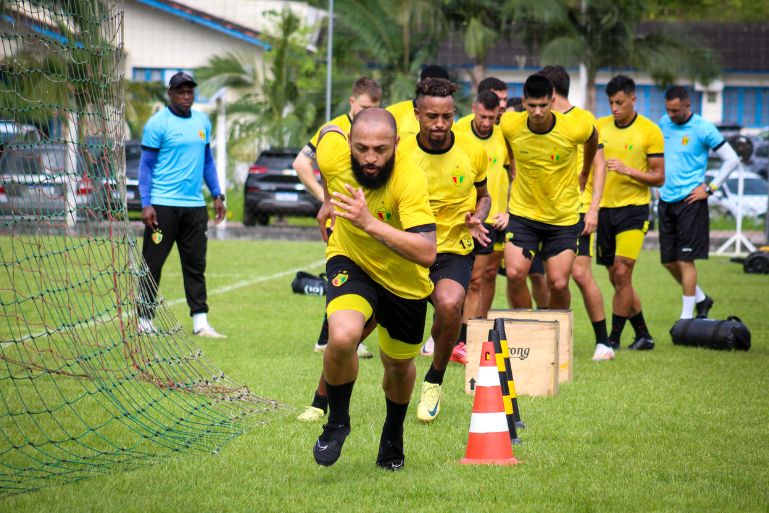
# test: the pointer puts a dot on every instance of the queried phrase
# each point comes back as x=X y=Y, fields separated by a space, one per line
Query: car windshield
x=275 y=162
x=753 y=186
x=133 y=154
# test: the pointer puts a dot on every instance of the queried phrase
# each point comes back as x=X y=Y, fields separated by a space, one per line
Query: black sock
x=599 y=327
x=393 y=425
x=320 y=401
x=617 y=325
x=323 y=335
x=462 y=333
x=639 y=325
x=434 y=376
x=339 y=402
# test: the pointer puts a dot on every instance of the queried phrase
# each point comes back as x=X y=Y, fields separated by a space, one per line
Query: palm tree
x=397 y=36
x=279 y=97
x=605 y=34
x=481 y=24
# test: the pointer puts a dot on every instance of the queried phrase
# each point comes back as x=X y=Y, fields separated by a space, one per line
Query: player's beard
x=376 y=181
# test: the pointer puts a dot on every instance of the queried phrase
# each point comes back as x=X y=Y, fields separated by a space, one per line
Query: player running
x=589 y=203
x=377 y=259
x=635 y=161
x=455 y=167
x=544 y=196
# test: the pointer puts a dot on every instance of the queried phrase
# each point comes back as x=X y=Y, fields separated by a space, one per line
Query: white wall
x=155 y=39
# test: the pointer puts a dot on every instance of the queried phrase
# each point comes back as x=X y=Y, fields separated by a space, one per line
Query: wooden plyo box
x=533 y=354
x=565 y=319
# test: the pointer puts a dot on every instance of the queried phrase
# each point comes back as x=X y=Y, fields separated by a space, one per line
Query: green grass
x=675 y=429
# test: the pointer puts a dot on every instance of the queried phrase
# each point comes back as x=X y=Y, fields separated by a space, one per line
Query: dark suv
x=272 y=188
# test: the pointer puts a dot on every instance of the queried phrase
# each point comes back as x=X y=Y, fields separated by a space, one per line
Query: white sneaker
x=320 y=348
x=363 y=351
x=603 y=353
x=209 y=332
x=428 y=348
x=146 y=326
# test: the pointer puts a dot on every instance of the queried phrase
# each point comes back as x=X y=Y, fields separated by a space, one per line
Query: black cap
x=180 y=79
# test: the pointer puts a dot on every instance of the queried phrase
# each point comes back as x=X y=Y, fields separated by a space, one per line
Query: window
x=746 y=106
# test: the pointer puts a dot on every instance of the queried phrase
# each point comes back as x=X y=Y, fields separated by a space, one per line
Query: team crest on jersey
x=340 y=279
x=457 y=177
x=628 y=147
x=684 y=140
x=384 y=215
x=555 y=156
x=492 y=161
x=202 y=134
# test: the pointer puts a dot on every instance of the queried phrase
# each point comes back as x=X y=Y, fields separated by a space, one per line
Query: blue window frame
x=746 y=106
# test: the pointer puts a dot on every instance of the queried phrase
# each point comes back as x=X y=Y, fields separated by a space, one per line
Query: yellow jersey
x=633 y=145
x=452 y=176
x=546 y=185
x=344 y=122
x=402 y=203
x=498 y=181
x=407 y=123
x=586 y=196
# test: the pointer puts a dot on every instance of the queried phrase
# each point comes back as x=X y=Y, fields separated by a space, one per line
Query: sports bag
x=712 y=334
x=306 y=283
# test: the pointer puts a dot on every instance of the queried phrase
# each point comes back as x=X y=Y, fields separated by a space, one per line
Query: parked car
x=15 y=133
x=272 y=188
x=759 y=162
x=133 y=153
x=754 y=197
x=33 y=182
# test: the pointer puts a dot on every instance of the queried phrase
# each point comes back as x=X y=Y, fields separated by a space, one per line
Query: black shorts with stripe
x=684 y=231
x=585 y=242
x=534 y=237
x=453 y=267
x=496 y=236
x=404 y=319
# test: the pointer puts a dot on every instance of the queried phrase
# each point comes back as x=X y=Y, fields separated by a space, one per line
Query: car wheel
x=262 y=219
x=248 y=218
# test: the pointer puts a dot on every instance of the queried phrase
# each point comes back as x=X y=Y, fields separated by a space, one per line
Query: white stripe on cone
x=488 y=377
x=488 y=422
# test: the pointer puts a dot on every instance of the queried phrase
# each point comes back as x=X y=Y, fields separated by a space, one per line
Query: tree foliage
x=280 y=97
x=606 y=34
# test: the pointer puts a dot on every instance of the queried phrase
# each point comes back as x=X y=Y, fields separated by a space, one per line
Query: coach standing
x=683 y=208
x=176 y=157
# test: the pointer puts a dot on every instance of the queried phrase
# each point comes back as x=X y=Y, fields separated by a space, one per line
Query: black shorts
x=494 y=235
x=453 y=267
x=621 y=232
x=401 y=322
x=537 y=265
x=541 y=238
x=585 y=242
x=684 y=231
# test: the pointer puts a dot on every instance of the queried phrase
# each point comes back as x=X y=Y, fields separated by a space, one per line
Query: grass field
x=674 y=429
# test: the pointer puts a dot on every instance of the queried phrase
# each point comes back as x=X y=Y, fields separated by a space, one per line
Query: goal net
x=81 y=389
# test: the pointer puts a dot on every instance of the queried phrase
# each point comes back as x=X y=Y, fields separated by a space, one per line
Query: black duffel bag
x=725 y=335
x=306 y=283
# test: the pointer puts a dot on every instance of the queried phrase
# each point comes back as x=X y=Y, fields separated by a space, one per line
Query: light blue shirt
x=686 y=155
x=177 y=177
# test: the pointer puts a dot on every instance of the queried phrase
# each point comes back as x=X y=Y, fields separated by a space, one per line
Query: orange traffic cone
x=489 y=438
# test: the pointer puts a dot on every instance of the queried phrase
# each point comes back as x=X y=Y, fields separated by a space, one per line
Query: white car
x=755 y=196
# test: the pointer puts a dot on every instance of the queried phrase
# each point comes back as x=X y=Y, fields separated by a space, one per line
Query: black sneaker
x=642 y=344
x=328 y=447
x=703 y=307
x=390 y=455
